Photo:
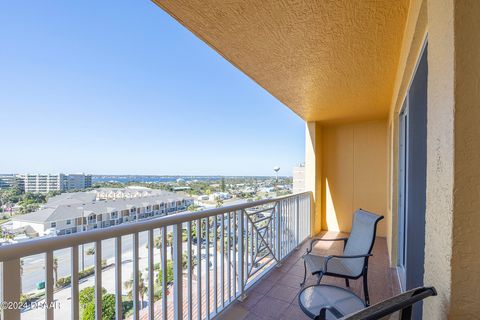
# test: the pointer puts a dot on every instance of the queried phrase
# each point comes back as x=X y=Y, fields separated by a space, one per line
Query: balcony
x=276 y=295
x=238 y=245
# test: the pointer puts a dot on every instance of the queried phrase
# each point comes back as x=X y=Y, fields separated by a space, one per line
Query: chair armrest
x=323 y=239
x=328 y=258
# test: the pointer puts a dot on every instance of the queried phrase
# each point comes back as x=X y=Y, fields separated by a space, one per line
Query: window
x=69 y=222
x=53 y=225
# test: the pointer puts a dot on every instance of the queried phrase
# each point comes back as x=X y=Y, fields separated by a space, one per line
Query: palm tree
x=157 y=243
x=170 y=243
x=193 y=263
x=142 y=288
x=55 y=270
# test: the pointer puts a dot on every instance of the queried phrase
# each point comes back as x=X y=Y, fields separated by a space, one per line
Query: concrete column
x=313 y=172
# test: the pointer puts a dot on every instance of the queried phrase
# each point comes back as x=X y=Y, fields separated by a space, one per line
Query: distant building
x=78 y=181
x=10 y=181
x=299 y=178
x=127 y=193
x=77 y=211
x=219 y=196
x=43 y=183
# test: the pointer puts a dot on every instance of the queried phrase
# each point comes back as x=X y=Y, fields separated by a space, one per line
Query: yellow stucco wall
x=412 y=44
x=465 y=290
x=452 y=260
x=353 y=166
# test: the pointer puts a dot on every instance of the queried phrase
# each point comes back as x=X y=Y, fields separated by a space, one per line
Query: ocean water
x=147 y=179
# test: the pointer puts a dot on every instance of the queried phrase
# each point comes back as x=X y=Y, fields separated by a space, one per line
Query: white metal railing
x=226 y=249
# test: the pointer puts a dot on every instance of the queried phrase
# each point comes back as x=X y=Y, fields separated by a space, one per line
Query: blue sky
x=119 y=87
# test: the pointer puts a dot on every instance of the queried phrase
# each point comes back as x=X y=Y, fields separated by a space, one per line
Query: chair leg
x=305 y=274
x=320 y=276
x=347 y=283
x=365 y=289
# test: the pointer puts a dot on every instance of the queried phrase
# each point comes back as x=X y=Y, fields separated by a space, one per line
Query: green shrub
x=63 y=282
x=108 y=306
x=87 y=272
x=89 y=312
x=157 y=295
x=169 y=273
x=87 y=296
x=87 y=304
x=127 y=305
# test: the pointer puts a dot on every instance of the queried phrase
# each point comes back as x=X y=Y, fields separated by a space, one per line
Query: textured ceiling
x=327 y=60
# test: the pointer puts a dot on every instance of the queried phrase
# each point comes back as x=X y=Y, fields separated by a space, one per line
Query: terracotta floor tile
x=294 y=313
x=252 y=299
x=270 y=307
x=283 y=292
x=291 y=280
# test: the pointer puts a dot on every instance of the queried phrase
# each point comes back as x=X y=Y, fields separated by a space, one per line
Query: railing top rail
x=28 y=248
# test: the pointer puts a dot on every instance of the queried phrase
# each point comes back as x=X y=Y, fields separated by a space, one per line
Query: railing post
x=278 y=234
x=98 y=279
x=136 y=280
x=177 y=272
x=297 y=227
x=74 y=285
x=240 y=260
x=118 y=278
x=49 y=285
x=11 y=289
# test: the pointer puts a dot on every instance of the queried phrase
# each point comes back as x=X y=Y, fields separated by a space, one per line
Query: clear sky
x=119 y=87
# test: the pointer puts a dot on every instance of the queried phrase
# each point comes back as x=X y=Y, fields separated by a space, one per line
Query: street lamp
x=276 y=169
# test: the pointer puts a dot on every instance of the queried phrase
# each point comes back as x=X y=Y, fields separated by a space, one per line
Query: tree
x=170 y=243
x=185 y=262
x=219 y=202
x=90 y=251
x=55 y=270
x=169 y=273
x=12 y=195
x=222 y=184
x=142 y=288
x=87 y=296
x=108 y=308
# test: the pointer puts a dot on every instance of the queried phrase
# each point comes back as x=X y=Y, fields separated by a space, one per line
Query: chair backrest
x=361 y=239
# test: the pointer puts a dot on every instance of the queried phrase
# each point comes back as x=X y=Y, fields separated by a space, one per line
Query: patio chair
x=353 y=264
x=402 y=303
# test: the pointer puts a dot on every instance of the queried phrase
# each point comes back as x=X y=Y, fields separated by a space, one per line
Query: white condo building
x=43 y=183
x=299 y=178
x=73 y=212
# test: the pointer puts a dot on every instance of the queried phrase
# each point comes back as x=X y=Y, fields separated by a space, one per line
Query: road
x=62 y=308
x=33 y=266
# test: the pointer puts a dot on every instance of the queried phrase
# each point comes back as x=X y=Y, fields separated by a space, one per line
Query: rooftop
x=78 y=204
